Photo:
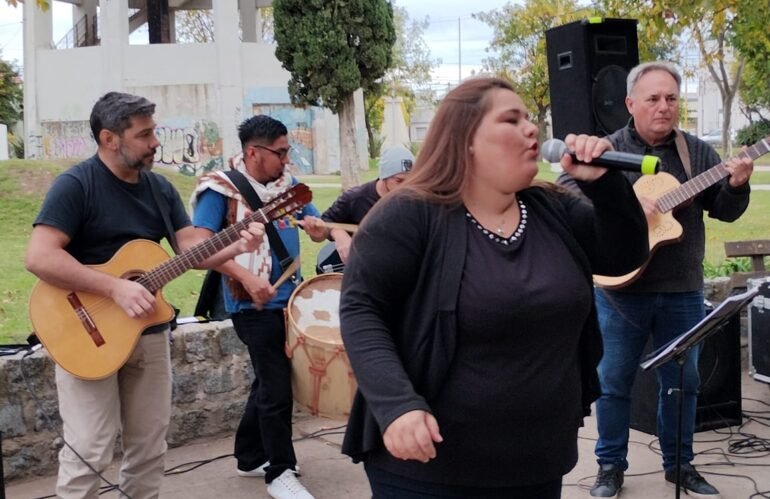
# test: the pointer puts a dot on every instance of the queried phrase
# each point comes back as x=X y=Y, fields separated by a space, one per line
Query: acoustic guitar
x=90 y=336
x=668 y=194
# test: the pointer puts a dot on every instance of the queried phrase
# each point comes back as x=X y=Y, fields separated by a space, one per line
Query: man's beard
x=135 y=163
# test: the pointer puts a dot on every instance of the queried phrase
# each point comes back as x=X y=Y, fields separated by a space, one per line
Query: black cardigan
x=400 y=288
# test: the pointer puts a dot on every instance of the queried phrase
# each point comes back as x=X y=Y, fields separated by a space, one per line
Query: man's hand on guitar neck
x=740 y=168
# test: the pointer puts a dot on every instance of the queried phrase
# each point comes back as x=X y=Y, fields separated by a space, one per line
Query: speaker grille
x=608 y=97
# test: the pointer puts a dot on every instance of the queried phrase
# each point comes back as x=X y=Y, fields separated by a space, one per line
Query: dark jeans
x=626 y=321
x=264 y=432
x=386 y=485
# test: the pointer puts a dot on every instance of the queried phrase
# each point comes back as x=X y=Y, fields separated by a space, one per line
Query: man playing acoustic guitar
x=90 y=212
x=667 y=298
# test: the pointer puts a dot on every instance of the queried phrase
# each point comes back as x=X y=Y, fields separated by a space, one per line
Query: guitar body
x=66 y=335
x=662 y=227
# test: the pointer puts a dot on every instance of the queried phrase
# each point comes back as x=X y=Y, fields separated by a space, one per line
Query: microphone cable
x=107 y=488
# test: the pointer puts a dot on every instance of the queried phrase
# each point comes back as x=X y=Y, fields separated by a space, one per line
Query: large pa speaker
x=588 y=63
x=719 y=400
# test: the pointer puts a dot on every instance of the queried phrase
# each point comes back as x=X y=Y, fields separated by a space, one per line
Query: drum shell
x=322 y=380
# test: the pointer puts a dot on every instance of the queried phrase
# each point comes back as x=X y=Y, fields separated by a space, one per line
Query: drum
x=322 y=379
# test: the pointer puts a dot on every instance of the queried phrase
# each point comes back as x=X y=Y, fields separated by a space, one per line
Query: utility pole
x=459 y=53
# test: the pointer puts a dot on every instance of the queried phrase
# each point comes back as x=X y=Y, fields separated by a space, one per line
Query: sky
x=441 y=35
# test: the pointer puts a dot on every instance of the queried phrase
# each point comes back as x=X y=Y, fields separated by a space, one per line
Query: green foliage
x=11 y=93
x=16 y=146
x=332 y=49
x=726 y=267
x=753 y=133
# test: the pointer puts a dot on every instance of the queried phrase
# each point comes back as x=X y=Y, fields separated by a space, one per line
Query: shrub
x=753 y=133
x=727 y=267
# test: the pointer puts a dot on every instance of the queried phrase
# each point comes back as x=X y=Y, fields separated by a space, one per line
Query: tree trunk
x=370 y=134
x=348 y=150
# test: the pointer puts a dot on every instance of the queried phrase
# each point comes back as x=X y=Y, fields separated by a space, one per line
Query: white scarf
x=260 y=262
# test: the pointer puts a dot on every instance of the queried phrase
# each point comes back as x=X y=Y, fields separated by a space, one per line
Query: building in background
x=202 y=90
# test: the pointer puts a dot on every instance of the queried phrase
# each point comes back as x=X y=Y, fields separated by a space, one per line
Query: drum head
x=314 y=309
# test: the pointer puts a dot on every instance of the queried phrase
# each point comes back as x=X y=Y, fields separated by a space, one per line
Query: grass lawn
x=23 y=184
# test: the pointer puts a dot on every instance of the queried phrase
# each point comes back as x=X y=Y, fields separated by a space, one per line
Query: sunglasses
x=406 y=165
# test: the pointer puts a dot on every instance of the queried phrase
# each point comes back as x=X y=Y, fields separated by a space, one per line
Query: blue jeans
x=626 y=321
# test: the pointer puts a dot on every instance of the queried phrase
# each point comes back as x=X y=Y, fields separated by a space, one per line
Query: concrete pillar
x=3 y=142
x=249 y=16
x=113 y=21
x=230 y=77
x=38 y=33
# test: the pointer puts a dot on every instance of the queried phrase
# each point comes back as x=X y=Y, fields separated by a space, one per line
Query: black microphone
x=553 y=149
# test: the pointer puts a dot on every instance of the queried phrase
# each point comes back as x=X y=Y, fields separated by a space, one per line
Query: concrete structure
x=394 y=130
x=3 y=141
x=202 y=90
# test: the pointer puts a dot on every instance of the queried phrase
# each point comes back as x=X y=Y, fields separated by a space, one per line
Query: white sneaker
x=286 y=486
x=259 y=471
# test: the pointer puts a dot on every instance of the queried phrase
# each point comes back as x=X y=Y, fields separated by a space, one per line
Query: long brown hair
x=441 y=169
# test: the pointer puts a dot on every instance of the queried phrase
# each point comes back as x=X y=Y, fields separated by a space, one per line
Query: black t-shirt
x=100 y=213
x=353 y=204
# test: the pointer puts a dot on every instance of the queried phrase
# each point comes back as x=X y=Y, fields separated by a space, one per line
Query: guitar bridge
x=85 y=319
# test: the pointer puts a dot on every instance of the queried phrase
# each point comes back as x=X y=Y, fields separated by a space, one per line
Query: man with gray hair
x=90 y=212
x=667 y=299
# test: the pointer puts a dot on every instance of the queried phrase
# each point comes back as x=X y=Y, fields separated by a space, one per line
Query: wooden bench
x=757 y=251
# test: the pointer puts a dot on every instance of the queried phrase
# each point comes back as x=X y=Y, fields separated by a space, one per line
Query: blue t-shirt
x=210 y=214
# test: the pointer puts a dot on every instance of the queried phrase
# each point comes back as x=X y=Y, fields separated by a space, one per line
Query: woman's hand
x=586 y=148
x=411 y=436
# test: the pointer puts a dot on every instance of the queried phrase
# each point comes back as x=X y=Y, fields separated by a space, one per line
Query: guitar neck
x=169 y=270
x=700 y=183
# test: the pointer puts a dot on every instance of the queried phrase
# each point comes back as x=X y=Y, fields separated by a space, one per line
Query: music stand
x=677 y=349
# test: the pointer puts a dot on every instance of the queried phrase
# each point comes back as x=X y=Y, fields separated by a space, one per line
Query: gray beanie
x=395 y=160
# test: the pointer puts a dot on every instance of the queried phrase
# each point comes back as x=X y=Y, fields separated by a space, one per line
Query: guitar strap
x=164 y=209
x=684 y=153
x=247 y=191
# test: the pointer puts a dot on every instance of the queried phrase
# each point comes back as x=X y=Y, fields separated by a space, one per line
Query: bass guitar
x=90 y=336
x=668 y=194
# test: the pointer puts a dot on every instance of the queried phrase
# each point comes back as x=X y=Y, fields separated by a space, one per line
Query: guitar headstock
x=287 y=202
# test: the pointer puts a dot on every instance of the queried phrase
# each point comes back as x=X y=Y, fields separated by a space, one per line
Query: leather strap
x=684 y=153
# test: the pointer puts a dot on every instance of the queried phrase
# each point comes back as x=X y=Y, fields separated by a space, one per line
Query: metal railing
x=82 y=34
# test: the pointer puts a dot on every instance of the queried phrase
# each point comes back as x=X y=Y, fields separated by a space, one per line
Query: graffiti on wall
x=193 y=148
x=67 y=139
x=299 y=123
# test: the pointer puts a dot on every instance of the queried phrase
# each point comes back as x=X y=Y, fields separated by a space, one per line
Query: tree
x=43 y=4
x=331 y=50
x=712 y=26
x=196 y=26
x=518 y=45
x=411 y=67
x=752 y=41
x=11 y=93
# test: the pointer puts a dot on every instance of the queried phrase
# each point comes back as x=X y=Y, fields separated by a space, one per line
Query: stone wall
x=212 y=375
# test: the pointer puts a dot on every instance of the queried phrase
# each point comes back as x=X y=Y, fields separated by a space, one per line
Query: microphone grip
x=614 y=160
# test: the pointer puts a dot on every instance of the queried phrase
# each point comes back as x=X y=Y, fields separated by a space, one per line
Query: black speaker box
x=719 y=400
x=588 y=63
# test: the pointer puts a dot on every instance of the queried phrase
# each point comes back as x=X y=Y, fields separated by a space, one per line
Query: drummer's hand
x=260 y=290
x=315 y=228
x=411 y=436
x=342 y=243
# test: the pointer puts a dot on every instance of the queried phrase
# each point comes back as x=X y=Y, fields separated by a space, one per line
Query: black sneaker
x=692 y=483
x=609 y=480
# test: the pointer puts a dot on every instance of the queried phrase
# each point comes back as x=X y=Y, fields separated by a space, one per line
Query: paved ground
x=329 y=475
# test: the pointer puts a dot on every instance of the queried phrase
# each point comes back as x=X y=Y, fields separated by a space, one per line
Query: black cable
x=53 y=427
